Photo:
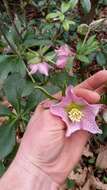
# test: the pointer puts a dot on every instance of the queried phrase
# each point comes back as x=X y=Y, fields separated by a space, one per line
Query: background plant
x=30 y=31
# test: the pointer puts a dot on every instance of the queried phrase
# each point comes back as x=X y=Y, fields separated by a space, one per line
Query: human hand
x=44 y=144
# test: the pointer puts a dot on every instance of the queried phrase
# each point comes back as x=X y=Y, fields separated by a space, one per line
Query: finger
x=95 y=81
x=72 y=151
x=102 y=89
x=88 y=95
x=77 y=141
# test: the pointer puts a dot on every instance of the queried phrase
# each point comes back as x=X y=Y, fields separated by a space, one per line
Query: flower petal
x=94 y=108
x=59 y=111
x=91 y=126
x=73 y=128
x=61 y=62
x=33 y=68
x=64 y=50
x=88 y=122
x=43 y=68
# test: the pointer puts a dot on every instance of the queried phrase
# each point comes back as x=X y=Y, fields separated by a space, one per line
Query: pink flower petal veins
x=89 y=112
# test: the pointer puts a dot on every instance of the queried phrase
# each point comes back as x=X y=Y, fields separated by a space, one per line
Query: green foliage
x=85 y=48
x=61 y=15
x=32 y=38
x=70 y=183
x=11 y=64
x=86 y=4
x=101 y=59
x=2 y=168
x=7 y=138
x=4 y=111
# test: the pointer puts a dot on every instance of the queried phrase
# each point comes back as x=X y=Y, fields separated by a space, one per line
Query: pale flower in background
x=42 y=68
x=62 y=56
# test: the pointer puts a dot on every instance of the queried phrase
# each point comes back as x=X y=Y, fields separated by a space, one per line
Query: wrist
x=39 y=179
x=23 y=175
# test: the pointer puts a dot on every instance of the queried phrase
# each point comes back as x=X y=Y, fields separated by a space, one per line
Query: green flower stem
x=86 y=36
x=45 y=92
x=31 y=77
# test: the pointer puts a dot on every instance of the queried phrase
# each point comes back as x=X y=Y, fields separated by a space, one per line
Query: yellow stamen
x=75 y=115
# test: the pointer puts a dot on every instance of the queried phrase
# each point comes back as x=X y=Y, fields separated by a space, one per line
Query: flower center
x=75 y=114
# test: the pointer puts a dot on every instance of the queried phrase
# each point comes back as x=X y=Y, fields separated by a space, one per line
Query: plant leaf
x=66 y=25
x=101 y=60
x=2 y=168
x=65 y=7
x=86 y=5
x=7 y=138
x=52 y=15
x=83 y=58
x=4 y=111
x=11 y=64
x=73 y=3
x=16 y=87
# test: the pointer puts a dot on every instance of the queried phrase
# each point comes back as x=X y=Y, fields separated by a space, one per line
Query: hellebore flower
x=42 y=68
x=76 y=113
x=62 y=54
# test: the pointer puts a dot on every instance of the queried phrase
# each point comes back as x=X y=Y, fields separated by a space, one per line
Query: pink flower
x=76 y=113
x=62 y=54
x=42 y=68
